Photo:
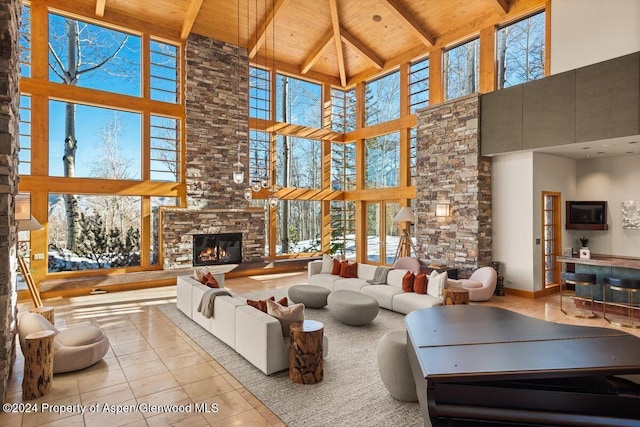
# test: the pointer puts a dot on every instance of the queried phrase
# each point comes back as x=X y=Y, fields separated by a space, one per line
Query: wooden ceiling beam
x=504 y=5
x=317 y=52
x=262 y=32
x=360 y=47
x=100 y=5
x=335 y=23
x=410 y=22
x=190 y=18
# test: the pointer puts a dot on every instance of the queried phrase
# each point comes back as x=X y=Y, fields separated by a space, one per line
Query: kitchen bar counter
x=604 y=261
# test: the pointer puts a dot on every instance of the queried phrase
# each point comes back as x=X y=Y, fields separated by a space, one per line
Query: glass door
x=551 y=238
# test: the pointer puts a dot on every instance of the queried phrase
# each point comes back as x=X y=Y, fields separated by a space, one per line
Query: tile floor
x=151 y=361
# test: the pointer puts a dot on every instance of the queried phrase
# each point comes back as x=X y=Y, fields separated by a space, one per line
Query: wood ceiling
x=336 y=41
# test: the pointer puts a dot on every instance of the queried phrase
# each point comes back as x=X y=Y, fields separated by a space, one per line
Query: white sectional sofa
x=389 y=296
x=254 y=335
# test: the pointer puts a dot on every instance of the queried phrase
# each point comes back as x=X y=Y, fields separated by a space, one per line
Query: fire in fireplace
x=212 y=249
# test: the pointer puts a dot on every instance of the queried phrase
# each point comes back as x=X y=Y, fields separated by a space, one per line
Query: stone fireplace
x=214 y=249
x=216 y=116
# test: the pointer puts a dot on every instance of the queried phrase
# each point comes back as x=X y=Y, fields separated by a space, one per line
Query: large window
x=298 y=102
x=24 y=135
x=106 y=144
x=462 y=69
x=521 y=51
x=343 y=229
x=25 y=42
x=343 y=110
x=298 y=227
x=343 y=166
x=418 y=85
x=164 y=78
x=164 y=149
x=382 y=99
x=259 y=90
x=258 y=156
x=382 y=161
x=298 y=162
x=102 y=58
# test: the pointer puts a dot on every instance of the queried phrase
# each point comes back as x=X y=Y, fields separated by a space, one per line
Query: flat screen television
x=586 y=215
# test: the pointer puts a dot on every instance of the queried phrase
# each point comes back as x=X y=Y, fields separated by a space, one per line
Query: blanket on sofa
x=380 y=276
x=208 y=298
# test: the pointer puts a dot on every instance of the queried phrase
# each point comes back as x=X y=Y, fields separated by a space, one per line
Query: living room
x=514 y=185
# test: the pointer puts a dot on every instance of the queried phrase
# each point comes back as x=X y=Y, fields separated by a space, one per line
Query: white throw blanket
x=208 y=298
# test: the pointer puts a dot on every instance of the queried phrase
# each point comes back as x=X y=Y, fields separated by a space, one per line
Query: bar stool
x=584 y=280
x=630 y=287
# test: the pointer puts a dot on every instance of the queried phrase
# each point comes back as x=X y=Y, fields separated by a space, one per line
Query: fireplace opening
x=213 y=249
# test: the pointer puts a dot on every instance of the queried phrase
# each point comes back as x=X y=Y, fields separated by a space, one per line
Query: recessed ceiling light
x=588 y=156
x=633 y=142
x=377 y=18
x=600 y=152
x=586 y=148
x=629 y=152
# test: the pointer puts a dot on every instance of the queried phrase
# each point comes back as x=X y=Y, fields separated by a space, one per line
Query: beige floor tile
x=48 y=412
x=177 y=419
x=174 y=350
x=11 y=419
x=100 y=380
x=108 y=415
x=250 y=418
x=113 y=394
x=207 y=388
x=130 y=347
x=232 y=380
x=271 y=418
x=193 y=373
x=138 y=358
x=176 y=362
x=144 y=370
x=153 y=384
x=228 y=404
x=175 y=395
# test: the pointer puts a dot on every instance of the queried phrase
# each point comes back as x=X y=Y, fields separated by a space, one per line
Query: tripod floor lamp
x=405 y=245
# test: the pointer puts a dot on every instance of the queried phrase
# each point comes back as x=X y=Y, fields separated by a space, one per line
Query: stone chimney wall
x=450 y=168
x=217 y=107
x=9 y=102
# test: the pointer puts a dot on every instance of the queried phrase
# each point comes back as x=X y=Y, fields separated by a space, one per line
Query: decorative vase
x=585 y=253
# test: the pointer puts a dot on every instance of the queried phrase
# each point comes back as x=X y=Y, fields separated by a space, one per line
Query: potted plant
x=584 y=241
x=584 y=250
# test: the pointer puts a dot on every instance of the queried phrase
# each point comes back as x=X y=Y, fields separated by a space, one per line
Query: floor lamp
x=405 y=245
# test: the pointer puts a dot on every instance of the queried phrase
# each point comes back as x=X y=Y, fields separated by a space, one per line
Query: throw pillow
x=262 y=304
x=199 y=273
x=349 y=270
x=407 y=281
x=335 y=270
x=327 y=264
x=286 y=315
x=437 y=283
x=420 y=284
x=211 y=281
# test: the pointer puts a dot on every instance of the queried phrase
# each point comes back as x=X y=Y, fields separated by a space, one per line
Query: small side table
x=455 y=296
x=38 y=364
x=305 y=352
x=46 y=312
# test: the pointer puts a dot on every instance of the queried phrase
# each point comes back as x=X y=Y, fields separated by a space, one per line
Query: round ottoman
x=310 y=295
x=352 y=308
x=393 y=365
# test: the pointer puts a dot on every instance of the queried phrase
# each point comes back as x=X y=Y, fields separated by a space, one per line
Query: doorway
x=551 y=238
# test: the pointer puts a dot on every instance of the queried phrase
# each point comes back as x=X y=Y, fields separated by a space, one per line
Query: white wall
x=614 y=179
x=557 y=174
x=585 y=32
x=512 y=216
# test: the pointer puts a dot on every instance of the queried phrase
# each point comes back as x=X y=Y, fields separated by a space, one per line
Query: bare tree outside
x=80 y=50
x=521 y=51
x=462 y=69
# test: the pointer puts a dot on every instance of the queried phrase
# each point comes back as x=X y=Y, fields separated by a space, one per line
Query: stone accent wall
x=217 y=106
x=9 y=102
x=450 y=168
x=178 y=238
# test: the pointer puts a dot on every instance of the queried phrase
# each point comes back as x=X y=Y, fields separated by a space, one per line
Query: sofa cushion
x=327 y=264
x=366 y=271
x=407 y=302
x=437 y=283
x=394 y=278
x=420 y=284
x=324 y=280
x=349 y=284
x=383 y=293
x=407 y=281
x=286 y=315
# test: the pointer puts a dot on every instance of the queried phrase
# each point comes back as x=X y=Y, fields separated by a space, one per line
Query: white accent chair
x=407 y=263
x=75 y=348
x=481 y=284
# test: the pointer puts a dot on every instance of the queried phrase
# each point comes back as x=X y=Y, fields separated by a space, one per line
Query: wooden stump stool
x=46 y=312
x=454 y=296
x=38 y=364
x=305 y=352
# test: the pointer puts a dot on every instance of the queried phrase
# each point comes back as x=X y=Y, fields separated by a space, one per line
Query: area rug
x=351 y=393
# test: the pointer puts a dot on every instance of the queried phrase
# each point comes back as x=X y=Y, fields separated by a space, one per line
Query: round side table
x=456 y=295
x=305 y=352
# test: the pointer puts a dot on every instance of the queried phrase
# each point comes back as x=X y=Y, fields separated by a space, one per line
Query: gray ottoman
x=352 y=308
x=394 y=368
x=310 y=295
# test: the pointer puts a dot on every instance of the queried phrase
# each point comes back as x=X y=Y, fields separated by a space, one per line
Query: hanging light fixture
x=273 y=193
x=238 y=173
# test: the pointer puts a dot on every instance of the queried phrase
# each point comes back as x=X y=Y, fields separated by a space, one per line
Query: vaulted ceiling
x=339 y=41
